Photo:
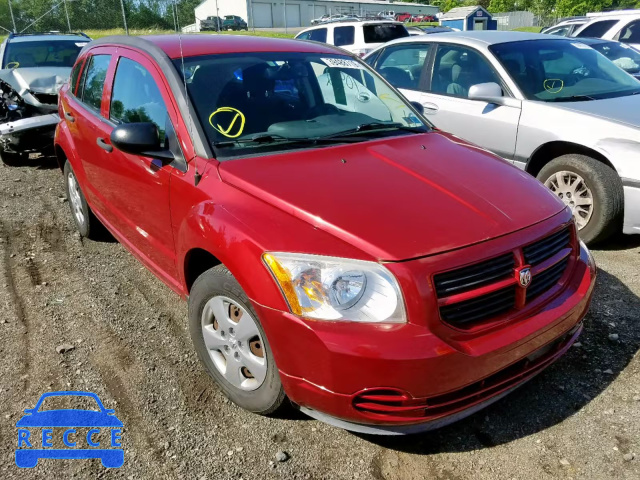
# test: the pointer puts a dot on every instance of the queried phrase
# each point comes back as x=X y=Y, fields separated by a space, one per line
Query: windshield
x=622 y=55
x=560 y=70
x=257 y=102
x=59 y=53
x=383 y=33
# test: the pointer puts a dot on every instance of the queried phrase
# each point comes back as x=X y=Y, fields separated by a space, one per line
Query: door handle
x=430 y=108
x=69 y=117
x=104 y=145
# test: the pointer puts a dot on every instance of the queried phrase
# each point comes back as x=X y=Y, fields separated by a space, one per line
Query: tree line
x=544 y=8
x=96 y=14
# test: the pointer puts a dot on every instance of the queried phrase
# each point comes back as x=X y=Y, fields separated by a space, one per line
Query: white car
x=623 y=27
x=358 y=38
x=566 y=27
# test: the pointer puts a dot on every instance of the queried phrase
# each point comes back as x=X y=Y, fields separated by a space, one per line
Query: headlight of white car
x=329 y=288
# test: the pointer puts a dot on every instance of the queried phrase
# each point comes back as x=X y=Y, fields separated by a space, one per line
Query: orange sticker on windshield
x=232 y=118
x=553 y=85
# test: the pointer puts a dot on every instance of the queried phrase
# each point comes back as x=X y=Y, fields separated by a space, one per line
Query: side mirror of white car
x=491 y=92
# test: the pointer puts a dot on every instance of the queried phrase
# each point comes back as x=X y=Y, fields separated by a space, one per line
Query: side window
x=73 y=79
x=318 y=35
x=402 y=65
x=344 y=36
x=457 y=68
x=630 y=33
x=597 y=29
x=304 y=36
x=136 y=97
x=93 y=82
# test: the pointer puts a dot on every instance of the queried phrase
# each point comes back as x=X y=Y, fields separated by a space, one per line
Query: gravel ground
x=579 y=419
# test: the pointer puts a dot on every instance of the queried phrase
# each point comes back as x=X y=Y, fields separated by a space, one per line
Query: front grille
x=479 y=308
x=546 y=248
x=474 y=306
x=546 y=279
x=474 y=276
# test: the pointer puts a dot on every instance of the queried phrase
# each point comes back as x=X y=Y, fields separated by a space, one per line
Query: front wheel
x=231 y=343
x=591 y=189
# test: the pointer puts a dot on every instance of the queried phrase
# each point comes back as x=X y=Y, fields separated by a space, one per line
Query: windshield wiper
x=377 y=126
x=573 y=98
x=269 y=138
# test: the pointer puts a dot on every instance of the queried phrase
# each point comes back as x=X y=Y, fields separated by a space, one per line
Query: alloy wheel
x=573 y=191
x=234 y=343
x=75 y=198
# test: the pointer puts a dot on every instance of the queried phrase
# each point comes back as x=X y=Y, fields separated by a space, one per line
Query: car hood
x=623 y=110
x=69 y=418
x=37 y=79
x=398 y=198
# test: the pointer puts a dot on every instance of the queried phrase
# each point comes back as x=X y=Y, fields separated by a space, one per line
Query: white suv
x=623 y=27
x=359 y=38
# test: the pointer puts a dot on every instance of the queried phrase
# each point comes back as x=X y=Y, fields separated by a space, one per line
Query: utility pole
x=217 y=18
x=124 y=18
x=13 y=20
x=285 y=16
x=66 y=12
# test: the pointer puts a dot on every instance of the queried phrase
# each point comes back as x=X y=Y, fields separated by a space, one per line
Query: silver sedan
x=551 y=105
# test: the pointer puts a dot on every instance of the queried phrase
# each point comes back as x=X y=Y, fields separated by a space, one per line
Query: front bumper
x=413 y=377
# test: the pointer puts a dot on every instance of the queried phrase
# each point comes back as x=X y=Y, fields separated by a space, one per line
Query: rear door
x=136 y=189
x=445 y=100
x=84 y=117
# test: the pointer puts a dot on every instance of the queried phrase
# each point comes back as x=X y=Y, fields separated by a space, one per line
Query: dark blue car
x=27 y=454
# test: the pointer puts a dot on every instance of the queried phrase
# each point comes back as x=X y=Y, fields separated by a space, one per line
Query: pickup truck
x=211 y=23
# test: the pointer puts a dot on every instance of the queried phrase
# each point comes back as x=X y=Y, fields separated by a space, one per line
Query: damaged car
x=34 y=68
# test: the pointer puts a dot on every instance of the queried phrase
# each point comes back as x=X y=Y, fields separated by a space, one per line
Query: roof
x=459 y=12
x=481 y=38
x=36 y=37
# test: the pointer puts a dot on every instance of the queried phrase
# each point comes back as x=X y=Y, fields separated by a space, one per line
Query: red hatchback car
x=334 y=248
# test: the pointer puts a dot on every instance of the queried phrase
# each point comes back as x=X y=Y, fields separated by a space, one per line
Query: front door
x=446 y=103
x=135 y=188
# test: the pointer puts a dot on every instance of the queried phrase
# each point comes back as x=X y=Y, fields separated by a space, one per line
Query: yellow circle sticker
x=233 y=118
x=553 y=85
x=12 y=65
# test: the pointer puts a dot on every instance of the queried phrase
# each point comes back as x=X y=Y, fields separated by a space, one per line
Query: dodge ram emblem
x=525 y=277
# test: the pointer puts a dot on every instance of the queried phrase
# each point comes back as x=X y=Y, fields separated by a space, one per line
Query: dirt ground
x=579 y=419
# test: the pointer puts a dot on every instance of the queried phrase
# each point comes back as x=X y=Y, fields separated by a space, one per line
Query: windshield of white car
x=562 y=71
x=42 y=53
x=254 y=103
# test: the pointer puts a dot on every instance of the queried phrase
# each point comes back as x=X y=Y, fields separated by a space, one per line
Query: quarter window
x=456 y=69
x=344 y=36
x=94 y=77
x=136 y=97
x=630 y=33
x=73 y=80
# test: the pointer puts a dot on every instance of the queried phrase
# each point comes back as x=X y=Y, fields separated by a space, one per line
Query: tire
x=262 y=394
x=604 y=186
x=86 y=222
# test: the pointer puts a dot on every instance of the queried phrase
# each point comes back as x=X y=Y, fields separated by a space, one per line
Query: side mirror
x=491 y=92
x=139 y=139
x=418 y=106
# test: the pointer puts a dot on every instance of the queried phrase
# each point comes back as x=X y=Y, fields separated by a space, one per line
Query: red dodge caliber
x=335 y=249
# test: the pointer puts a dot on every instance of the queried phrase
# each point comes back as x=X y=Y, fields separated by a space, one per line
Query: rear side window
x=318 y=35
x=344 y=36
x=94 y=77
x=136 y=97
x=597 y=29
x=383 y=33
x=402 y=65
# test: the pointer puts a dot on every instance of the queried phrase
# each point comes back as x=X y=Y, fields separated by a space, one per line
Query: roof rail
x=77 y=34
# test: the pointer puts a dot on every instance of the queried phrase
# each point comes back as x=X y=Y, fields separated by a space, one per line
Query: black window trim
x=505 y=88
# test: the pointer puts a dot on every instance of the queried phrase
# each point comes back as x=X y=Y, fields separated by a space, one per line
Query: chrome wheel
x=75 y=198
x=234 y=343
x=573 y=191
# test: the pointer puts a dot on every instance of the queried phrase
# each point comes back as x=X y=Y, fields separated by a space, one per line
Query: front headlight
x=329 y=288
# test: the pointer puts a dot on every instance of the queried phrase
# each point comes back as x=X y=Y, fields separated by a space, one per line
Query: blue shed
x=469 y=18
